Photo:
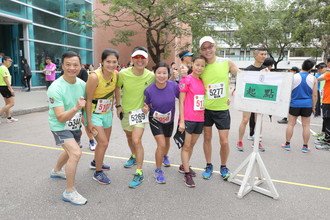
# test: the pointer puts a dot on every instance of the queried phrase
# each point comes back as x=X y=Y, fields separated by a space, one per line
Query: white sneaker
x=92 y=145
x=250 y=138
x=11 y=120
x=74 y=198
x=57 y=174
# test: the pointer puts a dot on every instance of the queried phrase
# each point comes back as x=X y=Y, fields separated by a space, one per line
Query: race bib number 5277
x=215 y=91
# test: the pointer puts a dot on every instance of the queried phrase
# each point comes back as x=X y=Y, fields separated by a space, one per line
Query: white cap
x=140 y=52
x=206 y=39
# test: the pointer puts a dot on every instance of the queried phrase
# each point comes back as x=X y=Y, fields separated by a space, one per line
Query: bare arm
x=91 y=86
x=63 y=116
x=118 y=101
x=181 y=111
x=233 y=69
x=314 y=95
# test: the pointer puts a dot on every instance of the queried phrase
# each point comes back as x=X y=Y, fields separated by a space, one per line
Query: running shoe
x=286 y=147
x=188 y=180
x=305 y=149
x=137 y=180
x=92 y=145
x=225 y=173
x=261 y=147
x=10 y=120
x=239 y=146
x=74 y=197
x=57 y=174
x=130 y=162
x=208 y=172
x=159 y=176
x=191 y=171
x=101 y=178
x=323 y=146
x=104 y=166
x=321 y=134
x=166 y=161
x=319 y=142
x=283 y=121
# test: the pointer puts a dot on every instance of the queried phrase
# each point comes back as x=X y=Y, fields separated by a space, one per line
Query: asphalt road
x=28 y=153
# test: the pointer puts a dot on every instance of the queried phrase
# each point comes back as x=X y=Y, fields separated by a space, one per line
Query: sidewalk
x=28 y=102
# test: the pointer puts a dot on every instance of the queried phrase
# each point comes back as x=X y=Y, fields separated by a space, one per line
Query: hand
x=145 y=108
x=182 y=126
x=92 y=129
x=81 y=103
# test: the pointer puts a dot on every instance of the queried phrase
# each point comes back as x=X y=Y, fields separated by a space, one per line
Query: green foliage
x=161 y=20
x=263 y=25
x=314 y=20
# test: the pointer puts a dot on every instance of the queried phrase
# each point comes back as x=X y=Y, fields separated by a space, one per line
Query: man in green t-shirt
x=6 y=90
x=66 y=99
x=216 y=82
x=131 y=84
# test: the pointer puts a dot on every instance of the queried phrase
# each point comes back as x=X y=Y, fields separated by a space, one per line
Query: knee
x=136 y=142
x=75 y=155
x=224 y=143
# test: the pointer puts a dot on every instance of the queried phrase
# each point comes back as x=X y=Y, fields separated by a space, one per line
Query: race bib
x=137 y=117
x=198 y=102
x=162 y=118
x=74 y=123
x=215 y=91
x=103 y=106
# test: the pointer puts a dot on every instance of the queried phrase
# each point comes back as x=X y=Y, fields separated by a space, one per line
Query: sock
x=209 y=164
x=133 y=156
x=222 y=166
x=139 y=171
x=305 y=145
x=91 y=141
x=9 y=118
x=287 y=143
x=97 y=172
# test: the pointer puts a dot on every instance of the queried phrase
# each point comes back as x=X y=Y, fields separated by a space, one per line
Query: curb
x=28 y=111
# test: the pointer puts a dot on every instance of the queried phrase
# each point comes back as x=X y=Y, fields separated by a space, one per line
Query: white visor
x=140 y=52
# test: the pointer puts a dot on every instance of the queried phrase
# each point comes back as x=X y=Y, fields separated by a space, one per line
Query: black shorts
x=221 y=119
x=303 y=112
x=194 y=127
x=5 y=92
x=158 y=128
x=326 y=110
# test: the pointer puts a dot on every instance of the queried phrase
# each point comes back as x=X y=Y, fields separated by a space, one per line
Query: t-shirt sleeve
x=54 y=97
x=120 y=79
x=147 y=96
x=184 y=83
x=327 y=76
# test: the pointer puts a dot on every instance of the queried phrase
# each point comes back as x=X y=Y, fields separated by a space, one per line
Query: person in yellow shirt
x=6 y=90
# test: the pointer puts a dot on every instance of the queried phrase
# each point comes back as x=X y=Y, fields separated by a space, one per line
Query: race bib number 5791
x=137 y=117
x=215 y=91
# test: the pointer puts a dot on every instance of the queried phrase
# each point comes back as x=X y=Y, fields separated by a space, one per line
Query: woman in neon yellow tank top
x=100 y=88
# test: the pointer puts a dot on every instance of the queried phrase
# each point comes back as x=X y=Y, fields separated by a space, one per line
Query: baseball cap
x=139 y=53
x=294 y=68
x=206 y=39
x=185 y=53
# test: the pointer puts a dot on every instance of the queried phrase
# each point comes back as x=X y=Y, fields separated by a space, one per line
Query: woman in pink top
x=191 y=115
x=49 y=71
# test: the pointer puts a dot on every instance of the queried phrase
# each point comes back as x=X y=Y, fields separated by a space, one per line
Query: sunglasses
x=139 y=57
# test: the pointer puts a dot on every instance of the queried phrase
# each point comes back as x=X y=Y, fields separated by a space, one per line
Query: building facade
x=35 y=29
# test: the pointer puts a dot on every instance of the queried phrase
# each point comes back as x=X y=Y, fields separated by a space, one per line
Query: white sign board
x=263 y=92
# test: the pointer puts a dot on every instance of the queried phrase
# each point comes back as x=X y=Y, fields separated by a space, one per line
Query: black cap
x=296 y=69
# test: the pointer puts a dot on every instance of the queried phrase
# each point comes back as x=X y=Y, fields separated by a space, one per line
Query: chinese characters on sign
x=263 y=92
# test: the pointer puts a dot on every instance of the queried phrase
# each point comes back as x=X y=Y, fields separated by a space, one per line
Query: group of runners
x=140 y=97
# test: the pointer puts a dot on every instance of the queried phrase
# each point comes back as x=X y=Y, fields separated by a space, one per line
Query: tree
x=314 y=24
x=264 y=25
x=161 y=20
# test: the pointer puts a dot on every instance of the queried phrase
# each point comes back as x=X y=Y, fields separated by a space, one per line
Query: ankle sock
x=287 y=143
x=139 y=171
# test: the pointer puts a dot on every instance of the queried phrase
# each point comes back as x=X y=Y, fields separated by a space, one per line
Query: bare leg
x=207 y=146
